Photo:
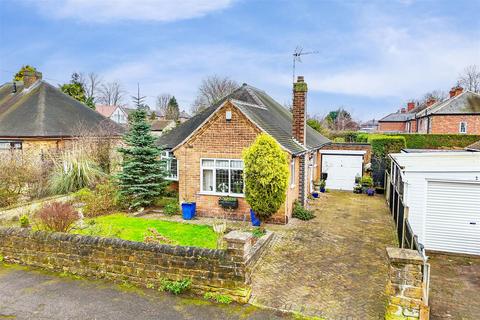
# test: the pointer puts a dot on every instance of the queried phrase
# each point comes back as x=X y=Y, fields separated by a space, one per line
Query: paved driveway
x=455 y=287
x=36 y=295
x=333 y=266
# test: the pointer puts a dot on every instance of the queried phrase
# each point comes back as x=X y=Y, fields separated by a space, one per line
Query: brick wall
x=221 y=139
x=413 y=125
x=226 y=271
x=451 y=123
x=391 y=126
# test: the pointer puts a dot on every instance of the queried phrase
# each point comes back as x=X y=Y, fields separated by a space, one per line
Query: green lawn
x=135 y=229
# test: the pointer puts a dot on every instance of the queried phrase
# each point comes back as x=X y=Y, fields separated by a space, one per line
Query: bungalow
x=460 y=113
x=205 y=152
x=36 y=116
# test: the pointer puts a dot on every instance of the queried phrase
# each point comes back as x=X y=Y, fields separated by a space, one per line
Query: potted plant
x=266 y=171
x=357 y=189
x=358 y=178
x=315 y=194
x=370 y=191
x=188 y=209
x=366 y=182
x=228 y=202
x=322 y=186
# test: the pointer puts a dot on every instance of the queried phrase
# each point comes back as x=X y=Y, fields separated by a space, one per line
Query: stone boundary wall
x=405 y=288
x=141 y=264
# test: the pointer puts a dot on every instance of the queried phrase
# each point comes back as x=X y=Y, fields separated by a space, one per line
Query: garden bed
x=136 y=229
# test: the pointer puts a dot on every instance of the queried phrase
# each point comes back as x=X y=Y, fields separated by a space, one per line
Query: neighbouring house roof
x=160 y=125
x=106 y=110
x=43 y=110
x=261 y=109
x=465 y=103
x=397 y=117
x=474 y=146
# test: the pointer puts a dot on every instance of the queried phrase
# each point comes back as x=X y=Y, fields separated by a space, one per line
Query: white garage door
x=342 y=170
x=453 y=217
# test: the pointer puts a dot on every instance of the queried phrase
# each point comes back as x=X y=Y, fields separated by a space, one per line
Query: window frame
x=168 y=156
x=12 y=144
x=460 y=127
x=214 y=169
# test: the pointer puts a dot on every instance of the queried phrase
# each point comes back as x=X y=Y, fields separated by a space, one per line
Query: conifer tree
x=142 y=177
x=173 y=111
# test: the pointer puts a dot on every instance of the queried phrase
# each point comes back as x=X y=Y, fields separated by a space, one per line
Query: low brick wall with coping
x=141 y=264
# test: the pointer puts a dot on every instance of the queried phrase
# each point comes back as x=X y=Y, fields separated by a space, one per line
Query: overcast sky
x=372 y=55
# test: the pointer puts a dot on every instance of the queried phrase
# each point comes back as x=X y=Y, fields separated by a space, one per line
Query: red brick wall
x=391 y=126
x=413 y=126
x=451 y=123
x=217 y=139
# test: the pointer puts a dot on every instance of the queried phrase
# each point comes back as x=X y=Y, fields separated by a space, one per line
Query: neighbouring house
x=182 y=117
x=114 y=113
x=205 y=152
x=369 y=126
x=458 y=114
x=37 y=117
x=159 y=127
x=435 y=198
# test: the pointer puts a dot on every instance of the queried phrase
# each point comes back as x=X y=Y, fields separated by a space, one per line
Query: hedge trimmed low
x=383 y=145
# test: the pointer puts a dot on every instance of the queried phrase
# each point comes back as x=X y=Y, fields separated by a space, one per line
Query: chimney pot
x=455 y=91
x=299 y=113
x=403 y=110
x=431 y=101
x=30 y=77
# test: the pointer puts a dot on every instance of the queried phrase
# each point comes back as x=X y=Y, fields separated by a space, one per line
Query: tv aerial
x=297 y=57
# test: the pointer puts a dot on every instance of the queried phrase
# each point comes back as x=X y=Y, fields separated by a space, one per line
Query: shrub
x=171 y=208
x=175 y=287
x=301 y=213
x=383 y=145
x=103 y=200
x=8 y=197
x=73 y=172
x=24 y=221
x=217 y=297
x=366 y=181
x=266 y=176
x=83 y=195
x=57 y=216
x=258 y=232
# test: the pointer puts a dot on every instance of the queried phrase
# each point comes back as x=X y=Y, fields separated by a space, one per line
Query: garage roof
x=438 y=161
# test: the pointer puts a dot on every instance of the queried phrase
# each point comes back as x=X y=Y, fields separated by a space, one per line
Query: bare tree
x=91 y=84
x=111 y=94
x=470 y=78
x=162 y=103
x=211 y=90
x=438 y=95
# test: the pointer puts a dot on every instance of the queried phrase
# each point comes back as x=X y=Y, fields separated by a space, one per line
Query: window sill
x=216 y=194
x=171 y=179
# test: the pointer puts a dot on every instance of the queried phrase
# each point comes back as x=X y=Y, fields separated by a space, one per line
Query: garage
x=435 y=200
x=342 y=166
x=453 y=216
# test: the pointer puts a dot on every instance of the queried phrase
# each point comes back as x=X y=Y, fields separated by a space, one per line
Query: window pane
x=207 y=184
x=236 y=164
x=236 y=181
x=173 y=168
x=222 y=180
x=4 y=145
x=208 y=163
x=222 y=164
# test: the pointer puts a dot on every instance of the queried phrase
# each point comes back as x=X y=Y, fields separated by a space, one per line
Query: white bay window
x=222 y=176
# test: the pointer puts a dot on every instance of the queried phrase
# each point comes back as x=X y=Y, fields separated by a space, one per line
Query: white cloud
x=148 y=10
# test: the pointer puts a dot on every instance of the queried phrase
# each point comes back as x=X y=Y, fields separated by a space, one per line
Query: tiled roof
x=159 y=125
x=397 y=117
x=105 y=110
x=261 y=109
x=466 y=102
x=43 y=110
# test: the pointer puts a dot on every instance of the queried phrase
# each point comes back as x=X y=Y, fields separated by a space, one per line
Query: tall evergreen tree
x=142 y=177
x=173 y=111
x=138 y=100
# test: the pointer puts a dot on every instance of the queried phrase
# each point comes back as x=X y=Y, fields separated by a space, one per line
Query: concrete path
x=27 y=294
x=333 y=266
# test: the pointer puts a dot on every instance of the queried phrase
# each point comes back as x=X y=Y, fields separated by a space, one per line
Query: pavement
x=26 y=293
x=454 y=287
x=334 y=266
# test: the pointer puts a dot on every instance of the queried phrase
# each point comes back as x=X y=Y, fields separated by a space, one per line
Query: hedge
x=348 y=136
x=426 y=141
x=382 y=145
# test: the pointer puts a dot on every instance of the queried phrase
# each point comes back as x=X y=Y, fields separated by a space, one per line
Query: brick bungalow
x=37 y=117
x=458 y=114
x=205 y=152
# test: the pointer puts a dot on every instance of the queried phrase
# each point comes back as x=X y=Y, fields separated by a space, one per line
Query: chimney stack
x=299 y=112
x=403 y=110
x=455 y=91
x=431 y=101
x=410 y=106
x=30 y=77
